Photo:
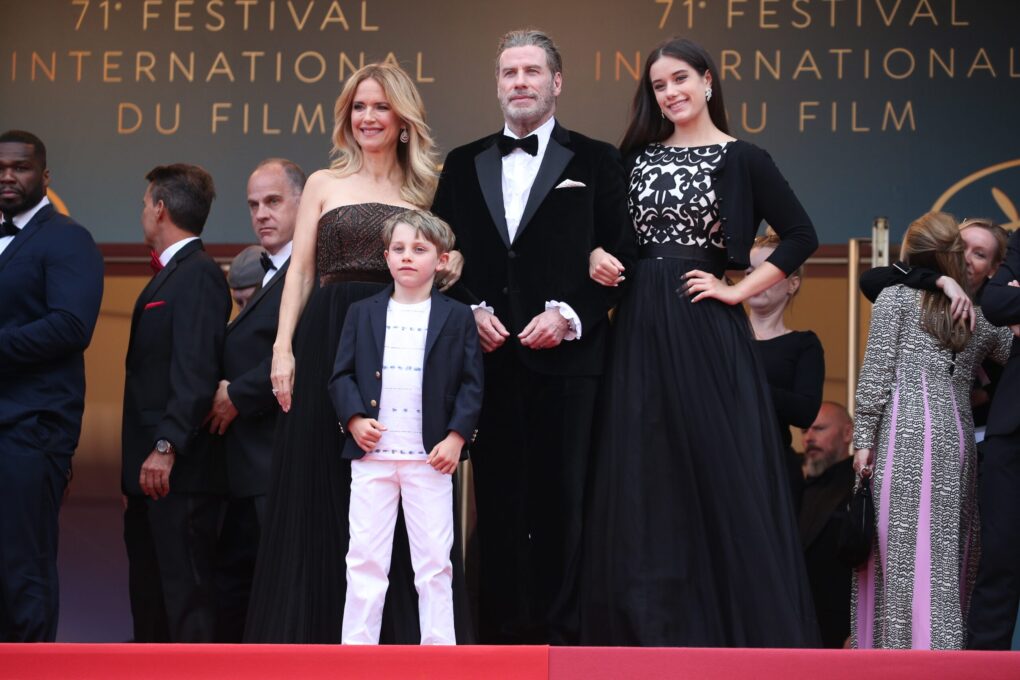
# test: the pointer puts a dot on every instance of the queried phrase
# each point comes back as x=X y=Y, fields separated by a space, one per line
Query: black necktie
x=528 y=145
x=267 y=264
x=8 y=229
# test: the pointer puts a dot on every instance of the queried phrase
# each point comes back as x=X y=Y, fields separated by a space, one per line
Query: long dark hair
x=646 y=121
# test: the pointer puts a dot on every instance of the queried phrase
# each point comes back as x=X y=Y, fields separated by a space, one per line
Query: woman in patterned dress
x=384 y=163
x=914 y=435
x=691 y=538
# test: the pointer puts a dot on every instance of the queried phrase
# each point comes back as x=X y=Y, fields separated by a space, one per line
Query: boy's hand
x=446 y=454
x=366 y=431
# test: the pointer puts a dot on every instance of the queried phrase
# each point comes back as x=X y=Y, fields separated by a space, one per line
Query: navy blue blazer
x=451 y=379
x=51 y=285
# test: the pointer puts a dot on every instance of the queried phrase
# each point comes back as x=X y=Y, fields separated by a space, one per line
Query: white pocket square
x=570 y=184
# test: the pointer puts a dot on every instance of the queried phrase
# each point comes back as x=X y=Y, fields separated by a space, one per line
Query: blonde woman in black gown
x=383 y=164
x=691 y=538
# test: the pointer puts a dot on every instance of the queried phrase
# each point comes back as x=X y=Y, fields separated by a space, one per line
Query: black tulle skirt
x=300 y=576
x=691 y=539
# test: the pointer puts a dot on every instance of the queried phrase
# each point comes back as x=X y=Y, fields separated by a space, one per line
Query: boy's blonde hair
x=433 y=229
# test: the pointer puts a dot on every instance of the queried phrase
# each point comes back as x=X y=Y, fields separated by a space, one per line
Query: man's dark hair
x=187 y=192
x=295 y=175
x=23 y=137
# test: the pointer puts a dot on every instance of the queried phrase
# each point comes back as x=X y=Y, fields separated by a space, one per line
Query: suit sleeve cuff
x=568 y=313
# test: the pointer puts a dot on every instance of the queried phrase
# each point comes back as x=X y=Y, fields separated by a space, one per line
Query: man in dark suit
x=51 y=278
x=244 y=408
x=170 y=478
x=528 y=205
x=827 y=490
x=993 y=606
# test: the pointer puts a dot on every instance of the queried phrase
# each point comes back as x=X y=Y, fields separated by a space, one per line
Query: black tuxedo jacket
x=451 y=378
x=1000 y=303
x=173 y=369
x=51 y=285
x=548 y=259
x=247 y=359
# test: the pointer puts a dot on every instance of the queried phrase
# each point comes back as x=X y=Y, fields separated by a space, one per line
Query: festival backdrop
x=869 y=107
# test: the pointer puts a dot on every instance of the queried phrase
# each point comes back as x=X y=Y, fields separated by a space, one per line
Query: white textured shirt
x=403 y=362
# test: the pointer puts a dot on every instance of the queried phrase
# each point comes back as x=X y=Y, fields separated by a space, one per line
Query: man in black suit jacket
x=51 y=278
x=528 y=206
x=827 y=490
x=170 y=478
x=993 y=606
x=244 y=408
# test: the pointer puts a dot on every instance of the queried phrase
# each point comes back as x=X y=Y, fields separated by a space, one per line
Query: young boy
x=407 y=386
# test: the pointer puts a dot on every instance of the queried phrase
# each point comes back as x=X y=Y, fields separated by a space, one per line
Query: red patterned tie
x=154 y=262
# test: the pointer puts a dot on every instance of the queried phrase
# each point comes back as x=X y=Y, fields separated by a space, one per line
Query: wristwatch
x=163 y=446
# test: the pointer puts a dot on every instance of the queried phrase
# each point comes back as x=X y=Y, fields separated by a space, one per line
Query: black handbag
x=858 y=529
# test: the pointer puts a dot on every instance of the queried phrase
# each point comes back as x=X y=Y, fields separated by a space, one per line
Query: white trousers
x=427 y=497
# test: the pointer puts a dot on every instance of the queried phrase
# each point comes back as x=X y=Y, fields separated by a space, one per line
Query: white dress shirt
x=278 y=260
x=22 y=219
x=171 y=250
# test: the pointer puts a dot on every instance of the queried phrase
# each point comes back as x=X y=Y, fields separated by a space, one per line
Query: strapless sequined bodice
x=349 y=245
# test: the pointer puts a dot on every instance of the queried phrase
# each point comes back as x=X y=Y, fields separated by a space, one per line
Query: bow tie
x=528 y=145
x=154 y=262
x=7 y=228
x=267 y=263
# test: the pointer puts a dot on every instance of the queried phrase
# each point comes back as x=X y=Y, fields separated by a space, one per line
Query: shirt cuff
x=568 y=313
x=482 y=305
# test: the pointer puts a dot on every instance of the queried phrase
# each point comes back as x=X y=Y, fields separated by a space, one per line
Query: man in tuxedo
x=170 y=478
x=244 y=408
x=528 y=205
x=827 y=490
x=993 y=606
x=51 y=278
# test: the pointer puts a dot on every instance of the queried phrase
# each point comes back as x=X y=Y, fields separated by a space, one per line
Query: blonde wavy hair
x=417 y=157
x=933 y=241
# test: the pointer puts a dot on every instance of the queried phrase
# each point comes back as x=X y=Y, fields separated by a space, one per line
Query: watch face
x=163 y=446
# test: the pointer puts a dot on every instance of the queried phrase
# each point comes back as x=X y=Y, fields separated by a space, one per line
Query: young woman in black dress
x=691 y=538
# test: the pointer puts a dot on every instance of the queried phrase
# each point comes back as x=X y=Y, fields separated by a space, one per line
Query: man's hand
x=545 y=331
x=223 y=411
x=446 y=454
x=366 y=432
x=155 y=475
x=491 y=330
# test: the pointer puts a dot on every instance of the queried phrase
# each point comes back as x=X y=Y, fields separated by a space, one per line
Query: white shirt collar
x=281 y=255
x=543 y=132
x=22 y=219
x=171 y=250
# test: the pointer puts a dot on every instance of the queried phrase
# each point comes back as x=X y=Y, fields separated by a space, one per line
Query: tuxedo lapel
x=553 y=164
x=489 y=167
x=438 y=315
x=277 y=280
x=27 y=233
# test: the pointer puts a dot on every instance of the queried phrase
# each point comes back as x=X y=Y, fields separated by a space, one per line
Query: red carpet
x=112 y=662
